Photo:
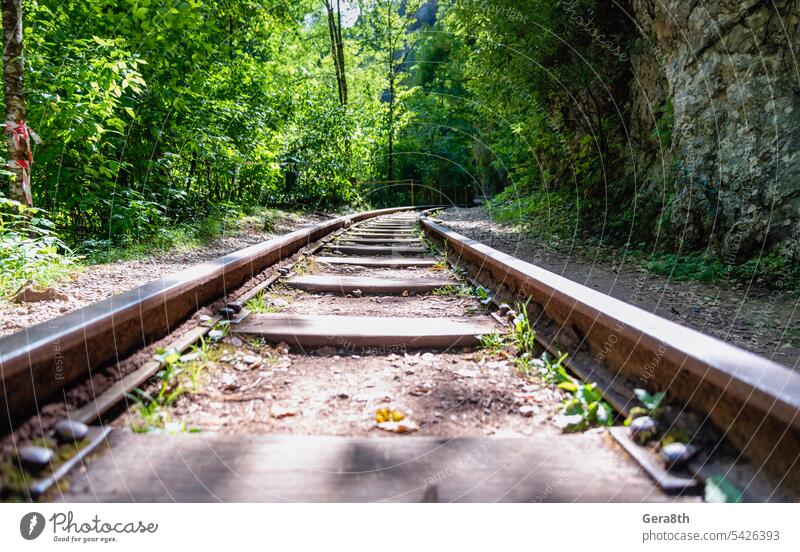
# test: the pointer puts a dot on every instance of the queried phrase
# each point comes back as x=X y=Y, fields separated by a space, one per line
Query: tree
x=17 y=133
x=392 y=22
x=337 y=48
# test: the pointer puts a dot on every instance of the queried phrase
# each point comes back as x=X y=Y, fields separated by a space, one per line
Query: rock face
x=721 y=79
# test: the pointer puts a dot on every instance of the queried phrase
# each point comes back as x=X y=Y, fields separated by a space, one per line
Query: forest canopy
x=158 y=114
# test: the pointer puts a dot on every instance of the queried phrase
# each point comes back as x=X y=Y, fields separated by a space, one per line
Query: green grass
x=584 y=407
x=492 y=343
x=454 y=290
x=261 y=304
x=184 y=237
x=174 y=379
x=554 y=217
x=542 y=214
x=30 y=251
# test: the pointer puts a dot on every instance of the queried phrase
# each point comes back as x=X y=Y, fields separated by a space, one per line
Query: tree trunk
x=13 y=72
x=390 y=152
x=340 y=50
x=335 y=52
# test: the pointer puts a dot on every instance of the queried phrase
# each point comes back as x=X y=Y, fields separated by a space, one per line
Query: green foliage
x=585 y=407
x=261 y=304
x=154 y=116
x=547 y=215
x=29 y=248
x=492 y=343
x=665 y=121
x=178 y=375
x=454 y=290
x=524 y=335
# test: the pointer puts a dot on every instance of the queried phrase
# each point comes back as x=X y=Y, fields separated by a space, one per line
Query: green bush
x=29 y=250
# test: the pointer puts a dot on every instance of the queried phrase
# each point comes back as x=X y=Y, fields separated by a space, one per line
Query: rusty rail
x=39 y=362
x=753 y=401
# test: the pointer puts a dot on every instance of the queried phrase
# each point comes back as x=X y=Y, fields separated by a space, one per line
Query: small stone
x=503 y=309
x=228 y=381
x=235 y=341
x=226 y=312
x=569 y=422
x=466 y=373
x=35 y=458
x=278 y=411
x=283 y=271
x=68 y=431
x=189 y=357
x=527 y=410
x=643 y=429
x=279 y=302
x=216 y=335
x=282 y=348
x=251 y=359
x=675 y=455
x=235 y=307
x=357 y=293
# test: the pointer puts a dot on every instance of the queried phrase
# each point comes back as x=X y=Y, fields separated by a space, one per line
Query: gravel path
x=98 y=282
x=764 y=321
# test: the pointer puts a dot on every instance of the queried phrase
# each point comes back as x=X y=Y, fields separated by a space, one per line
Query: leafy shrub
x=29 y=250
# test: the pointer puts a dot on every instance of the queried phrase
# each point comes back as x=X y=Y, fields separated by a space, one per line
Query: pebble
x=228 y=381
x=528 y=410
x=35 y=458
x=235 y=307
x=189 y=357
x=675 y=455
x=643 y=430
x=279 y=412
x=251 y=359
x=68 y=430
x=216 y=335
x=280 y=302
x=357 y=293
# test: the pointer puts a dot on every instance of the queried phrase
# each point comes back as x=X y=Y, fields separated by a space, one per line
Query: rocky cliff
x=720 y=80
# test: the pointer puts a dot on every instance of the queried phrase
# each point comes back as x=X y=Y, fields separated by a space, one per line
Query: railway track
x=355 y=361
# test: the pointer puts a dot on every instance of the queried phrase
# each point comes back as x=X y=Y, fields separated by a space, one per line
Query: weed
x=453 y=290
x=585 y=407
x=29 y=249
x=524 y=335
x=261 y=304
x=173 y=380
x=492 y=343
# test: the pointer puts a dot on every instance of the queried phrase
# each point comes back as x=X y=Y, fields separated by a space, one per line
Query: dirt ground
x=254 y=388
x=99 y=282
x=760 y=320
x=248 y=386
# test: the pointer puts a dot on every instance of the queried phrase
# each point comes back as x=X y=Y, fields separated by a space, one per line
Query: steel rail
x=39 y=362
x=753 y=401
